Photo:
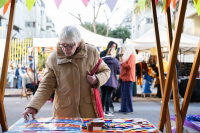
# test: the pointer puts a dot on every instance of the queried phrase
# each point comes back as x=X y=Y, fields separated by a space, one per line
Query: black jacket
x=103 y=53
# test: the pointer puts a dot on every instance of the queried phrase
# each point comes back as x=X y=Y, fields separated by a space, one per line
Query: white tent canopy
x=88 y=36
x=188 y=44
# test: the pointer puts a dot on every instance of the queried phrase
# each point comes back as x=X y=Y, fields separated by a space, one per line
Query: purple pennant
x=58 y=2
x=16 y=1
x=111 y=4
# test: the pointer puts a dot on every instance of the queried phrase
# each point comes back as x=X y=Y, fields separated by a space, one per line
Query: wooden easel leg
x=179 y=125
x=173 y=53
x=5 y=67
x=160 y=62
x=191 y=82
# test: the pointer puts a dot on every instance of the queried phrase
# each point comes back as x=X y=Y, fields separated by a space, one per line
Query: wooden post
x=179 y=126
x=160 y=62
x=191 y=82
x=173 y=53
x=3 y=119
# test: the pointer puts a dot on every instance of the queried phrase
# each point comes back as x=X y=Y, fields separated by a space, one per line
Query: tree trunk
x=107 y=28
x=94 y=26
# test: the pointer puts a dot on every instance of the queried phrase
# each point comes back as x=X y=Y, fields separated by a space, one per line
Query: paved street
x=148 y=108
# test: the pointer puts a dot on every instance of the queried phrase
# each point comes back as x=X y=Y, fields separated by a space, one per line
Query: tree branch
x=79 y=20
x=98 y=10
x=103 y=30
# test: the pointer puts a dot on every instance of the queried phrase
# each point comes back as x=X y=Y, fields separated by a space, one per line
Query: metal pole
x=34 y=70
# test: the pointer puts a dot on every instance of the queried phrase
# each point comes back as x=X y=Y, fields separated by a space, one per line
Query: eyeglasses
x=67 y=46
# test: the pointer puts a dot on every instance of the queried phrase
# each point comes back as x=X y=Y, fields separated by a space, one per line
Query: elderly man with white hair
x=68 y=73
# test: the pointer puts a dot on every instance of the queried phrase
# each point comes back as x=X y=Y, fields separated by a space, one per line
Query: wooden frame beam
x=179 y=125
x=160 y=62
x=3 y=119
x=191 y=82
x=172 y=62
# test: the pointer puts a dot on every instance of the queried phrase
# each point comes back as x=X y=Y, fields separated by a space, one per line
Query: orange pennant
x=174 y=4
x=167 y=5
x=6 y=8
x=196 y=1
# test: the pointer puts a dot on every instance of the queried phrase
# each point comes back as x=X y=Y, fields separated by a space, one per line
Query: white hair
x=69 y=34
x=128 y=51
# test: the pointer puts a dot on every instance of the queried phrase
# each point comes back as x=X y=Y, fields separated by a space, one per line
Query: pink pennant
x=156 y=1
x=85 y=2
x=58 y=2
x=173 y=3
x=111 y=4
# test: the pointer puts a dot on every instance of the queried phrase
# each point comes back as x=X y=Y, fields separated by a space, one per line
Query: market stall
x=78 y=125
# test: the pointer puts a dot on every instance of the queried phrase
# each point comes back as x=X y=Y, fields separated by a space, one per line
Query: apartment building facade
x=28 y=24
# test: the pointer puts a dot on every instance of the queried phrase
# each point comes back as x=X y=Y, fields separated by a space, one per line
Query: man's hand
x=29 y=111
x=92 y=79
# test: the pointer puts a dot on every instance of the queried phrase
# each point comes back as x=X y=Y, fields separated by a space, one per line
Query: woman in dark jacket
x=112 y=82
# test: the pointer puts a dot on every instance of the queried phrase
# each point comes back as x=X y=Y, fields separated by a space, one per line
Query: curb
x=12 y=95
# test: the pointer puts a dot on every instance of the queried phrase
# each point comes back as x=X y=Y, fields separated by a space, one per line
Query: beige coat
x=68 y=77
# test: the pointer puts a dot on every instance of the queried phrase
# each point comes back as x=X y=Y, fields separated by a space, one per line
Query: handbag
x=95 y=95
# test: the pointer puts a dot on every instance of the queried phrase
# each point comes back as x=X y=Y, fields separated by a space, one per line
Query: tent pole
x=179 y=125
x=3 y=120
x=191 y=82
x=173 y=53
x=160 y=62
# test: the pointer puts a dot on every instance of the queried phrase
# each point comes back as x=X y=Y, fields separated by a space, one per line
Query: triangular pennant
x=164 y=3
x=85 y=2
x=16 y=1
x=3 y=3
x=58 y=2
x=196 y=1
x=167 y=5
x=141 y=4
x=6 y=8
x=197 y=6
x=156 y=2
x=30 y=4
x=111 y=4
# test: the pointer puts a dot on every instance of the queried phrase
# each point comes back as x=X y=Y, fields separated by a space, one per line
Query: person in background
x=157 y=82
x=128 y=76
x=112 y=82
x=11 y=75
x=19 y=74
x=28 y=80
x=111 y=44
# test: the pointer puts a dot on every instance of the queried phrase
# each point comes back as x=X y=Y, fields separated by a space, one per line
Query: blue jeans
x=19 y=82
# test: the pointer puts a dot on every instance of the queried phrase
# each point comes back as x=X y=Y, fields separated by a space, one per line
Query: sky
x=61 y=17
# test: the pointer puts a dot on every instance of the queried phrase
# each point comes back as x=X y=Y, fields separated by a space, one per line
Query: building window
x=0 y=23
x=27 y=24
x=33 y=24
x=149 y=20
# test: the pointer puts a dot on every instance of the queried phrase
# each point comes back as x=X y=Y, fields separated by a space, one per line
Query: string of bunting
x=104 y=48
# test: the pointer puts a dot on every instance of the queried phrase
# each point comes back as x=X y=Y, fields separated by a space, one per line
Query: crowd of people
x=26 y=76
x=68 y=73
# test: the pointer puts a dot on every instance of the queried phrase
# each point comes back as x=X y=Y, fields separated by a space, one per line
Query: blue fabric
x=17 y=72
x=126 y=97
x=114 y=66
x=11 y=80
x=19 y=82
x=0 y=22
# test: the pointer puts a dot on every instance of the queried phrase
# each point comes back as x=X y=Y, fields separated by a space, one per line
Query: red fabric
x=97 y=94
x=128 y=69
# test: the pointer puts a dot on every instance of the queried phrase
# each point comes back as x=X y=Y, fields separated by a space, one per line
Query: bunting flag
x=98 y=49
x=111 y=4
x=6 y=8
x=166 y=4
x=52 y=48
x=156 y=2
x=141 y=4
x=173 y=3
x=3 y=3
x=104 y=48
x=30 y=4
x=16 y=1
x=40 y=49
x=85 y=2
x=196 y=2
x=117 y=50
x=58 y=2
x=197 y=6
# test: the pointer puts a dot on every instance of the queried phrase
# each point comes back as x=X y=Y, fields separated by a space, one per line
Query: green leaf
x=3 y=3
